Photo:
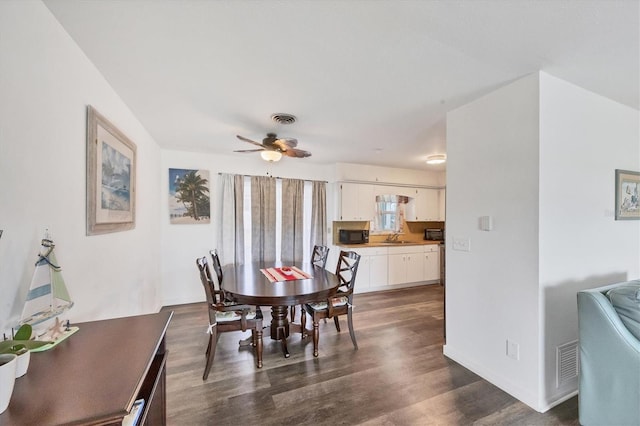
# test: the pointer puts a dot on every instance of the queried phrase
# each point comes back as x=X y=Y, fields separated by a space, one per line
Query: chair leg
x=303 y=323
x=337 y=322
x=352 y=333
x=316 y=336
x=211 y=352
x=258 y=347
x=206 y=353
x=292 y=313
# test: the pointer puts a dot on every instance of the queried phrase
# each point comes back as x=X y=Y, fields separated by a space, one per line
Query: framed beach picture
x=189 y=196
x=111 y=177
x=627 y=188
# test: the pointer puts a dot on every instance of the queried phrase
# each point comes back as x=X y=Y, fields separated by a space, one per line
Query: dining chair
x=340 y=304
x=319 y=259
x=320 y=255
x=227 y=316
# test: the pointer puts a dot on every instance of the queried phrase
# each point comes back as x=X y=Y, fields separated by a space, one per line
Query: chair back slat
x=217 y=267
x=319 y=256
x=207 y=283
x=346 y=270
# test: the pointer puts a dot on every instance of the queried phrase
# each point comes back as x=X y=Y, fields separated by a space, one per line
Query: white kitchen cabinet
x=372 y=270
x=378 y=270
x=406 y=264
x=442 y=195
x=363 y=276
x=431 y=262
x=426 y=205
x=357 y=201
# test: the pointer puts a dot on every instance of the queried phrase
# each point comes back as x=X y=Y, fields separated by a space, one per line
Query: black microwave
x=434 y=234
x=352 y=236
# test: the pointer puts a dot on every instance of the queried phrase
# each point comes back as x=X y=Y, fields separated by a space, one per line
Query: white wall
x=46 y=82
x=583 y=139
x=539 y=156
x=492 y=291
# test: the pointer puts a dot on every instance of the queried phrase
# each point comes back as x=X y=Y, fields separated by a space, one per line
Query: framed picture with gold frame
x=627 y=188
x=111 y=177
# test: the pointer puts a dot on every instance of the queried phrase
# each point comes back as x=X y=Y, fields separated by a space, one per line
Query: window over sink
x=390 y=213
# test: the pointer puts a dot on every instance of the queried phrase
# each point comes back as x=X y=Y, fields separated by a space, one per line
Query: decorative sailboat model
x=48 y=298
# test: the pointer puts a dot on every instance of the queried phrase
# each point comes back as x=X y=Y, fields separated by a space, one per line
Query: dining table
x=265 y=284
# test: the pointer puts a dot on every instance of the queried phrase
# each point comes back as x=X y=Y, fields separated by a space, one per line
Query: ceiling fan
x=273 y=148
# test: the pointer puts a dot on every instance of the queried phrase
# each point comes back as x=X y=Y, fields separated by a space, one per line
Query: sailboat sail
x=48 y=296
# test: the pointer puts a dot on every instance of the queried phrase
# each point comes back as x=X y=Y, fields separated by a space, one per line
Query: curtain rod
x=274 y=177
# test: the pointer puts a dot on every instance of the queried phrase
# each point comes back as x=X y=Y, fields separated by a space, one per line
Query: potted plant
x=20 y=346
x=8 y=363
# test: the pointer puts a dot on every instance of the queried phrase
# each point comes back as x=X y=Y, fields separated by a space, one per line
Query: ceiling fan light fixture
x=436 y=159
x=271 y=156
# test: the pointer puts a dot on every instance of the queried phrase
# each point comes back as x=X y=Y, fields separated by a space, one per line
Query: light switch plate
x=462 y=243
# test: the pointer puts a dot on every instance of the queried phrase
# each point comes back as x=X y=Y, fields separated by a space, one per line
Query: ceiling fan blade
x=297 y=153
x=250 y=150
x=242 y=138
x=286 y=143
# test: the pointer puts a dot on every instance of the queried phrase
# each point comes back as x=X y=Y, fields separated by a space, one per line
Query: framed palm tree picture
x=111 y=177
x=189 y=196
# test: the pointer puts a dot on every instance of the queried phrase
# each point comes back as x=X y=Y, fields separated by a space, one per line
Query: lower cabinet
x=382 y=267
x=378 y=270
x=431 y=262
x=405 y=265
x=372 y=271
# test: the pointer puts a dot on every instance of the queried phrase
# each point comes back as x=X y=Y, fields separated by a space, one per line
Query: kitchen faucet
x=393 y=237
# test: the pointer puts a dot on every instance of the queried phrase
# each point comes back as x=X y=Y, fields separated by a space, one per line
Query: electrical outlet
x=513 y=350
x=462 y=243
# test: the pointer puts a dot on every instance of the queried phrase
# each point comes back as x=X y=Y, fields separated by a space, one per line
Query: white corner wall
x=46 y=83
x=492 y=290
x=584 y=137
x=539 y=155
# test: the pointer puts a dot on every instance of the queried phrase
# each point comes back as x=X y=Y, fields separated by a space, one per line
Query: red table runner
x=276 y=274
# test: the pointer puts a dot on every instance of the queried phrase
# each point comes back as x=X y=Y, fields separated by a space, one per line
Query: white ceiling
x=369 y=81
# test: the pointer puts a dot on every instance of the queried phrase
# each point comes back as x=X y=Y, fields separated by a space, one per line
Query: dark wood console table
x=95 y=376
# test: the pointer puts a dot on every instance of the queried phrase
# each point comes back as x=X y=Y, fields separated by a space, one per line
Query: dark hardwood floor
x=397 y=377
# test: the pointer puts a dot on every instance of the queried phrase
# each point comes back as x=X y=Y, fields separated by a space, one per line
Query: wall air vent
x=567 y=363
x=283 y=118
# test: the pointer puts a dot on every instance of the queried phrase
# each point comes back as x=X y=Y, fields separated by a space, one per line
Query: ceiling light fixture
x=436 y=159
x=271 y=156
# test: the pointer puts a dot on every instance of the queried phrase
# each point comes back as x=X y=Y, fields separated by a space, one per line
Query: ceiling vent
x=283 y=118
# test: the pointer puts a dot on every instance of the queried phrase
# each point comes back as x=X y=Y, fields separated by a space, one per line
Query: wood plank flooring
x=397 y=377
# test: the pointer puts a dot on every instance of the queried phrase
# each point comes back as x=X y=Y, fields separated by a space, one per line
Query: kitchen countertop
x=385 y=244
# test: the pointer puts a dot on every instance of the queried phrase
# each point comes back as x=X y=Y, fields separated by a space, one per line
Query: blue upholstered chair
x=609 y=390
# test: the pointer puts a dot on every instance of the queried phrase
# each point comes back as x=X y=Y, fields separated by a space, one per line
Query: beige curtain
x=263 y=219
x=292 y=220
x=231 y=230
x=318 y=214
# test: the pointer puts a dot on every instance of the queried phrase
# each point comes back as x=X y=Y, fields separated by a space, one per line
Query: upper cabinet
x=442 y=194
x=426 y=205
x=357 y=201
